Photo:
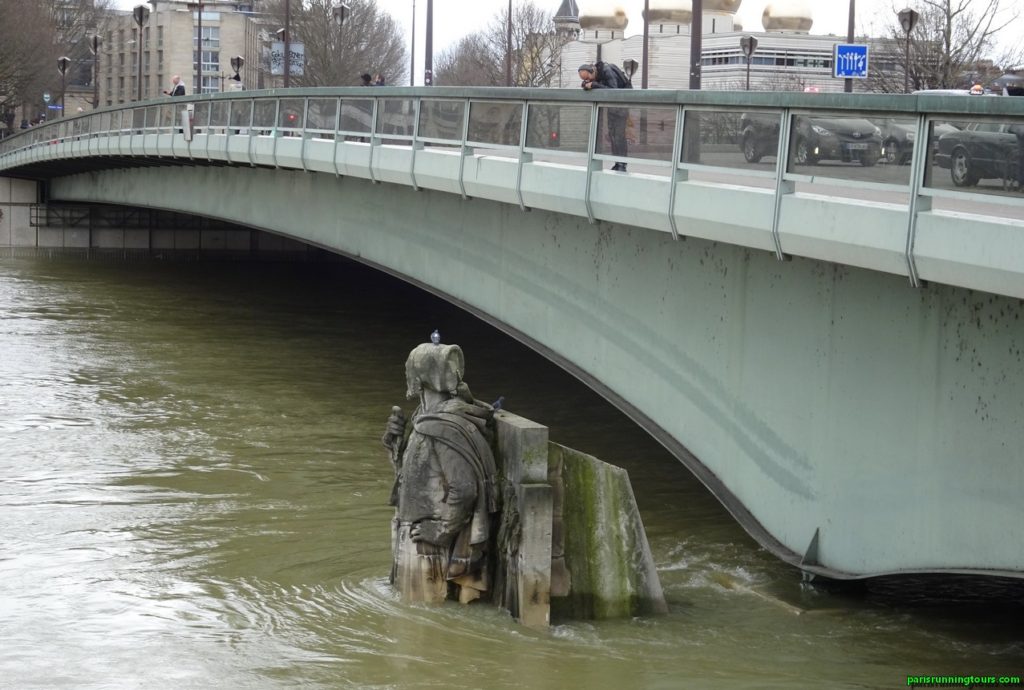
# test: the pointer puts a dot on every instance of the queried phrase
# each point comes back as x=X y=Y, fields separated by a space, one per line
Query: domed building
x=788 y=56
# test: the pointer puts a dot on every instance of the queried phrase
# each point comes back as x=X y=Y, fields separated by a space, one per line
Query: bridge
x=814 y=301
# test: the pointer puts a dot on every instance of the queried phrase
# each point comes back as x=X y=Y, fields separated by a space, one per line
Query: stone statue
x=444 y=495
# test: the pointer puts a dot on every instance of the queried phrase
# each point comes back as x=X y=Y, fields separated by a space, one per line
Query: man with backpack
x=605 y=75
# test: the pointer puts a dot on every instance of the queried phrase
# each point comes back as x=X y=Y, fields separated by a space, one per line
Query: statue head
x=437 y=368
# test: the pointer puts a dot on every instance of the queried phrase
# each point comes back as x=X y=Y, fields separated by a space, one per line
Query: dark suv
x=813 y=139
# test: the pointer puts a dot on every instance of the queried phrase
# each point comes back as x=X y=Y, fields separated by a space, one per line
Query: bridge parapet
x=928 y=187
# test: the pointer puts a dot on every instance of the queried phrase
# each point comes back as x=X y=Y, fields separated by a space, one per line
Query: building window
x=210 y=84
x=211 y=37
x=160 y=59
x=159 y=36
x=211 y=60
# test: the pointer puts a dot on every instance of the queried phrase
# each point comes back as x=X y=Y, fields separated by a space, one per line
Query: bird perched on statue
x=498 y=403
x=435 y=337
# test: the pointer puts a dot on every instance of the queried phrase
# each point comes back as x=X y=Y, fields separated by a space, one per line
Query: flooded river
x=193 y=494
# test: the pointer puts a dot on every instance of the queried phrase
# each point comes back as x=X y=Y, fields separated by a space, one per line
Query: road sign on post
x=850 y=61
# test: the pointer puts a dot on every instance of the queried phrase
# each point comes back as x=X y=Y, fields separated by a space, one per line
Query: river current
x=193 y=494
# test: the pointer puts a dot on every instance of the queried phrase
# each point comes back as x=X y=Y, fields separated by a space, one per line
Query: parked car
x=981 y=150
x=898 y=138
x=848 y=139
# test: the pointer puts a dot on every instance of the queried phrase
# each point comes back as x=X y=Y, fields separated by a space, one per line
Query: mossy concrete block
x=611 y=569
x=524 y=446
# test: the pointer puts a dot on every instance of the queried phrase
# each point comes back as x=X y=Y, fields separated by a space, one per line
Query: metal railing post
x=275 y=133
x=677 y=154
x=591 y=146
x=782 y=185
x=373 y=138
x=305 y=126
x=337 y=126
x=418 y=103
x=523 y=126
x=462 y=149
x=917 y=202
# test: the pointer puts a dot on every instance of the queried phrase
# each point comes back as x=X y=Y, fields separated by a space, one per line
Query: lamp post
x=644 y=53
x=508 y=46
x=62 y=67
x=696 y=43
x=908 y=19
x=748 y=44
x=199 y=46
x=287 y=43
x=848 y=83
x=339 y=10
x=412 y=49
x=428 y=49
x=141 y=15
x=94 y=47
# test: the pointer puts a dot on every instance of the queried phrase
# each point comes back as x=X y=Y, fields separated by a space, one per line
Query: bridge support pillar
x=16 y=200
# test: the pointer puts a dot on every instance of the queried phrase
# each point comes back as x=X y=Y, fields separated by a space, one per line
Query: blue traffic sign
x=850 y=61
x=55 y=106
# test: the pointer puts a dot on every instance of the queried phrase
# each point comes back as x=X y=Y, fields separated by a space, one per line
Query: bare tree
x=33 y=35
x=953 y=45
x=26 y=40
x=470 y=62
x=368 y=41
x=480 y=58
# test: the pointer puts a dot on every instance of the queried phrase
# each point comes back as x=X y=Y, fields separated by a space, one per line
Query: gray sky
x=456 y=18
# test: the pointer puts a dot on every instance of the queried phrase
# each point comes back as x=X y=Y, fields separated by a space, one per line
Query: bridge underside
x=854 y=425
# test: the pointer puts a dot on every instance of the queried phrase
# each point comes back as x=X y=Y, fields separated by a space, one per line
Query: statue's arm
x=394 y=436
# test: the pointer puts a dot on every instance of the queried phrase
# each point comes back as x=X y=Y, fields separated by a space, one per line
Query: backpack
x=626 y=82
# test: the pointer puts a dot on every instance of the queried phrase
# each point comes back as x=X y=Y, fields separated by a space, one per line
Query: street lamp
x=287 y=43
x=508 y=46
x=339 y=11
x=62 y=67
x=428 y=49
x=141 y=15
x=908 y=19
x=236 y=65
x=848 y=83
x=94 y=48
x=748 y=44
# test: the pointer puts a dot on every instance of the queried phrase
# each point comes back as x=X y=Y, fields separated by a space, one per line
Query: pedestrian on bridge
x=177 y=87
x=606 y=75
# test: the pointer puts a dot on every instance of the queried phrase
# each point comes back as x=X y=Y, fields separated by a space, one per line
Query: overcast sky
x=456 y=18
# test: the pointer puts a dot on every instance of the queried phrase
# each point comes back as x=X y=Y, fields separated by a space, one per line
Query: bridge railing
x=916 y=152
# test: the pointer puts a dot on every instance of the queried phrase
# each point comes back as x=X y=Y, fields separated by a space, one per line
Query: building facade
x=788 y=56
x=170 y=46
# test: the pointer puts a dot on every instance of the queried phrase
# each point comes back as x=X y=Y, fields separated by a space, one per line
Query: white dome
x=603 y=16
x=669 y=12
x=787 y=15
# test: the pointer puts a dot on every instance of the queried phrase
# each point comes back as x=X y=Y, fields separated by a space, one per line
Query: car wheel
x=802 y=153
x=960 y=169
x=870 y=157
x=750 y=152
x=893 y=155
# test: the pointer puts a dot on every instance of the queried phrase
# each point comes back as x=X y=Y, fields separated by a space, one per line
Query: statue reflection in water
x=444 y=494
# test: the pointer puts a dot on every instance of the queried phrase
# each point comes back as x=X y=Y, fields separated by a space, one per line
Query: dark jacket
x=609 y=76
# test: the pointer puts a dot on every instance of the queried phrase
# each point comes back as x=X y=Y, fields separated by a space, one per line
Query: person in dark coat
x=605 y=75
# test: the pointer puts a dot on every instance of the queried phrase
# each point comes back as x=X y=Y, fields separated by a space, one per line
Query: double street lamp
x=908 y=19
